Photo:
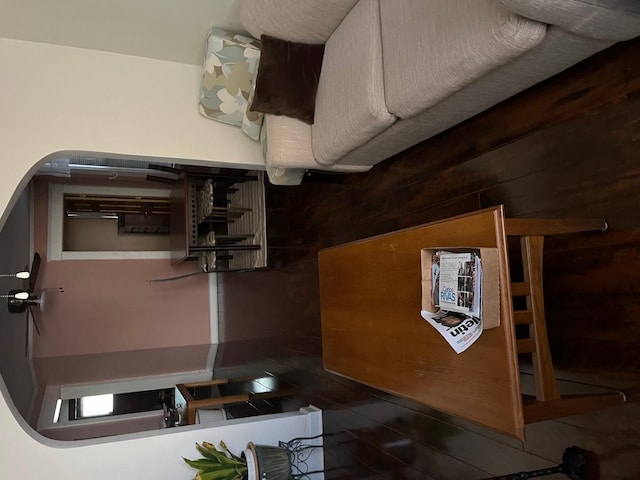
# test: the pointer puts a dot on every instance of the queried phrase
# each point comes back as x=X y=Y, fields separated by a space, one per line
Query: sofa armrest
x=286 y=144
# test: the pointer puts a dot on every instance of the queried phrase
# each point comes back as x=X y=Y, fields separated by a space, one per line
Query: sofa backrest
x=613 y=20
x=307 y=21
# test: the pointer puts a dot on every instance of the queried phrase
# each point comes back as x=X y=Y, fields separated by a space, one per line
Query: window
x=110 y=404
x=96 y=405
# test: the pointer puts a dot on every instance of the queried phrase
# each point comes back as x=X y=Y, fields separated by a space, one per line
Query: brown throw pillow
x=287 y=78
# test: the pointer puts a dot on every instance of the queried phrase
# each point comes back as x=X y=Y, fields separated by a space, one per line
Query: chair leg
x=546 y=385
x=530 y=226
x=567 y=405
x=548 y=403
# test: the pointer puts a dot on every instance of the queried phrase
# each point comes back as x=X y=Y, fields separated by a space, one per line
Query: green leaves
x=200 y=464
x=224 y=447
x=217 y=465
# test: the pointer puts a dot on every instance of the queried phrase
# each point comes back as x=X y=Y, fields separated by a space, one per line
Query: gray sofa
x=396 y=72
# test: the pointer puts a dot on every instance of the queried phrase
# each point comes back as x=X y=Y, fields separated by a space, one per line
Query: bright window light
x=56 y=414
x=96 y=405
x=264 y=385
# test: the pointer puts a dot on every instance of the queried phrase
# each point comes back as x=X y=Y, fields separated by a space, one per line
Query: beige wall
x=58 y=99
x=163 y=29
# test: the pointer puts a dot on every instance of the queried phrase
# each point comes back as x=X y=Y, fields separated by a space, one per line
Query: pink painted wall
x=108 y=306
x=104 y=367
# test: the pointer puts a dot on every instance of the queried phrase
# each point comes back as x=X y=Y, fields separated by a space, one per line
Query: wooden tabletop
x=372 y=330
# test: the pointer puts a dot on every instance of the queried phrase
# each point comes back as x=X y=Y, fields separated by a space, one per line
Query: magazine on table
x=456 y=278
x=455 y=295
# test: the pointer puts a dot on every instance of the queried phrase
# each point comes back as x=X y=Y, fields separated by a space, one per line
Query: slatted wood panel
x=250 y=195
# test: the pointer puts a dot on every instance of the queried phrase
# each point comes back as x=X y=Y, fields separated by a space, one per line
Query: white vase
x=252 y=464
x=210 y=415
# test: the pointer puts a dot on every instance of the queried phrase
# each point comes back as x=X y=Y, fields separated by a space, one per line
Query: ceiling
x=15 y=367
x=172 y=30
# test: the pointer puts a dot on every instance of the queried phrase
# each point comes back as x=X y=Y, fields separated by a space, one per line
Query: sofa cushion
x=309 y=21
x=613 y=20
x=350 y=106
x=558 y=51
x=228 y=78
x=433 y=48
x=287 y=78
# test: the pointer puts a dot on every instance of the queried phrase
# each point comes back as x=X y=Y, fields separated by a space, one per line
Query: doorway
x=95 y=222
x=88 y=222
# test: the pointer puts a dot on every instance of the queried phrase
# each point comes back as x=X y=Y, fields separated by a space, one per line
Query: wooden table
x=223 y=392
x=372 y=331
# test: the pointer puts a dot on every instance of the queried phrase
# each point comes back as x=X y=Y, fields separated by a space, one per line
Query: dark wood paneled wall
x=569 y=147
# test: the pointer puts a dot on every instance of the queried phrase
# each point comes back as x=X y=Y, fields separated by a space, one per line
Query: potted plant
x=256 y=462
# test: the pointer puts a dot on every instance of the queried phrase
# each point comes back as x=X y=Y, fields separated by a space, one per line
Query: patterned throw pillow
x=228 y=80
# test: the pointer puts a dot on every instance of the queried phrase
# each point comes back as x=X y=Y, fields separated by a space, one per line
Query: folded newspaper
x=459 y=330
x=452 y=295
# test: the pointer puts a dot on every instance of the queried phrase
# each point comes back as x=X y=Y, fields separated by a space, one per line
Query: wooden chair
x=547 y=403
x=222 y=392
